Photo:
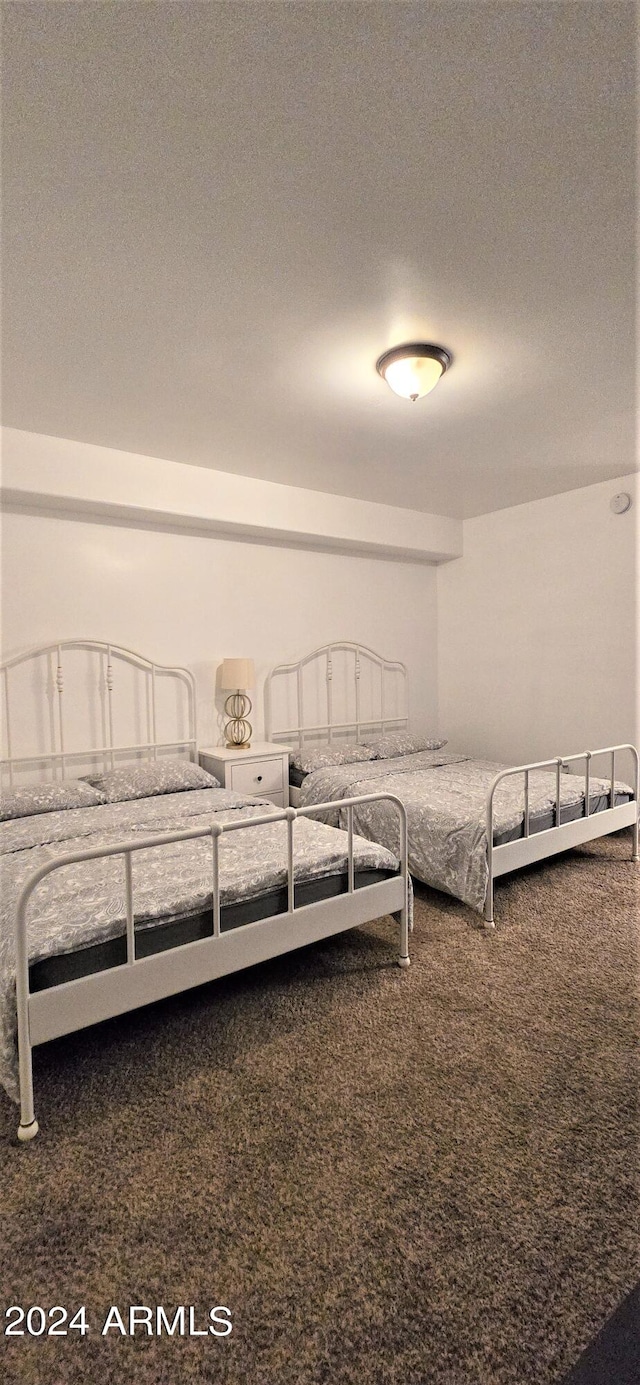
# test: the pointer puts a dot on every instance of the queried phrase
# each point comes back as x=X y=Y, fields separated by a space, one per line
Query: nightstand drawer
x=257 y=777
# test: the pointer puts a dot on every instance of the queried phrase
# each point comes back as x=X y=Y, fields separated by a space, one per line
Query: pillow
x=403 y=743
x=152 y=777
x=29 y=799
x=321 y=756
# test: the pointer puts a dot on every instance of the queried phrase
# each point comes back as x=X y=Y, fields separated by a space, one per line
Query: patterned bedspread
x=445 y=796
x=85 y=903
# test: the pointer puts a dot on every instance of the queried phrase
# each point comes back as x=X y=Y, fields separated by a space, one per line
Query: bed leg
x=27 y=1132
x=404 y=959
x=28 y=1127
x=488 y=907
x=635 y=856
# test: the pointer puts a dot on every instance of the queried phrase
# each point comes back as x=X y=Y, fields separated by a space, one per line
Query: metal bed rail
x=28 y=1127
x=604 y=822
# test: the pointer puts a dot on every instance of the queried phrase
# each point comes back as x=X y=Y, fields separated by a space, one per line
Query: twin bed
x=140 y=877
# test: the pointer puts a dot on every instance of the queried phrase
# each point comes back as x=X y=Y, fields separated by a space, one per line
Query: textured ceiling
x=218 y=215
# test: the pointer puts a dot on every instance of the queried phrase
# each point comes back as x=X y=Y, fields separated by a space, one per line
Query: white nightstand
x=262 y=770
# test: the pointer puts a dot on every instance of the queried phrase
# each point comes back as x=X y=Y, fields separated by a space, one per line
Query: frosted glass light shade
x=413 y=377
x=237 y=673
x=413 y=370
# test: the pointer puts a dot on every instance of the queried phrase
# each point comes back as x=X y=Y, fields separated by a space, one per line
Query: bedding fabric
x=85 y=903
x=29 y=799
x=445 y=796
x=394 y=743
x=321 y=756
x=151 y=777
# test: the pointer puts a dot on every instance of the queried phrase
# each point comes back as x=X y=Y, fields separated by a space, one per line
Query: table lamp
x=237 y=674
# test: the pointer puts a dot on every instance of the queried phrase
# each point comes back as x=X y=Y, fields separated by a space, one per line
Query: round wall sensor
x=620 y=503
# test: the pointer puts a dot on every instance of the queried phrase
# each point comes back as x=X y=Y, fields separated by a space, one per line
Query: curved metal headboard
x=372 y=710
x=51 y=692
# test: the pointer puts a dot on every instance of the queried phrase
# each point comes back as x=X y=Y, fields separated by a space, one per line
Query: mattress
x=542 y=821
x=68 y=966
x=539 y=821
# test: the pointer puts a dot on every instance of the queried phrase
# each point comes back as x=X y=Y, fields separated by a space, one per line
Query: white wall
x=538 y=628
x=191 y=600
x=528 y=642
x=62 y=475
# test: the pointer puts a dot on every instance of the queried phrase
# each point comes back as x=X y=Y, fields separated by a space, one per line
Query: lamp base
x=238 y=730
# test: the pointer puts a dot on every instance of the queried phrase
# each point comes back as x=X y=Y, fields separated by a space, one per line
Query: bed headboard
x=342 y=691
x=83 y=702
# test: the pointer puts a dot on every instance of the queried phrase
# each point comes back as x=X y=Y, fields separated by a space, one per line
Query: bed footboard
x=561 y=836
x=74 y=1004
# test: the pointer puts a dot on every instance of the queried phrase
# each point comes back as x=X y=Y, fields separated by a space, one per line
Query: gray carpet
x=421 y=1178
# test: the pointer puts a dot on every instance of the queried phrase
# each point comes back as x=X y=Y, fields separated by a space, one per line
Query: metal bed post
x=635 y=856
x=109 y=684
x=290 y=817
x=357 y=682
x=404 y=959
x=350 y=848
x=299 y=700
x=216 y=829
x=59 y=681
x=488 y=902
x=128 y=885
x=28 y=1126
x=153 y=709
x=329 y=679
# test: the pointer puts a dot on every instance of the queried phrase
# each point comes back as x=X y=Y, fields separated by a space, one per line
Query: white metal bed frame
x=561 y=836
x=532 y=846
x=72 y=1005
x=108 y=658
x=376 y=716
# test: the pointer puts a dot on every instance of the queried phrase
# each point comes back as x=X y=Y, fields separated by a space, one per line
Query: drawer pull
x=259 y=779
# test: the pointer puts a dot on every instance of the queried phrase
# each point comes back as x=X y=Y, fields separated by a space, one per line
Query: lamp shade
x=237 y=673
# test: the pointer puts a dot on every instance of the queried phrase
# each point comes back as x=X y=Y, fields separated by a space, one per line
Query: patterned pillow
x=152 y=777
x=322 y=756
x=29 y=799
x=403 y=743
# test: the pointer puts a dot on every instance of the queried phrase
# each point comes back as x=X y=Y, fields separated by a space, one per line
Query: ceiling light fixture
x=413 y=370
